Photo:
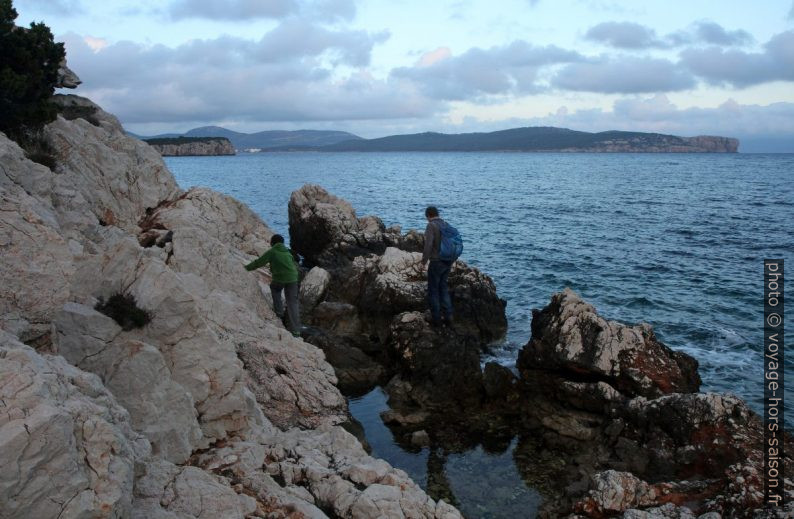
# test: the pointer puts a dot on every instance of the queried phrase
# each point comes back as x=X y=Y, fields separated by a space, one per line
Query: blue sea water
x=674 y=240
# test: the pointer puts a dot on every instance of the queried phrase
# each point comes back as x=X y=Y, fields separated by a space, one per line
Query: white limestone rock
x=166 y=491
x=200 y=358
x=103 y=171
x=331 y=464
x=221 y=216
x=136 y=373
x=37 y=265
x=66 y=446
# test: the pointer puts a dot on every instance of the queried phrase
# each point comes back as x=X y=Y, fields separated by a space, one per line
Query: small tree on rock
x=29 y=62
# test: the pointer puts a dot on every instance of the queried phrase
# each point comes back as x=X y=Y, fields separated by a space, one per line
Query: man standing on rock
x=438 y=271
x=284 y=272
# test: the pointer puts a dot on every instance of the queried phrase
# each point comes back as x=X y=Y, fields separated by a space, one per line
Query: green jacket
x=282 y=264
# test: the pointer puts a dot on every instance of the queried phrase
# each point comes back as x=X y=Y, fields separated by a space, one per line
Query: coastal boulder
x=379 y=271
x=354 y=369
x=570 y=341
x=342 y=479
x=325 y=230
x=220 y=216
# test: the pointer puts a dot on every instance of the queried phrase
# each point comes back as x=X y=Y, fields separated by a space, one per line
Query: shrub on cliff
x=29 y=62
x=123 y=309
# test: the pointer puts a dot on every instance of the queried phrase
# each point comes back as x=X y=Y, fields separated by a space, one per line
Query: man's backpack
x=451 y=243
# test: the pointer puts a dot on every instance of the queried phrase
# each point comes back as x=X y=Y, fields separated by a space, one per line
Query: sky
x=383 y=67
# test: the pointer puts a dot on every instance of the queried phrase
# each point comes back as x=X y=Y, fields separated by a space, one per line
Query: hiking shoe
x=449 y=321
x=435 y=323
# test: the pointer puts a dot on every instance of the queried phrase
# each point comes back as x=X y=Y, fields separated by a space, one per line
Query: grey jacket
x=432 y=239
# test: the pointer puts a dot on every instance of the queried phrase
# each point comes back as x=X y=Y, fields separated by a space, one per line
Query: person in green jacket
x=284 y=273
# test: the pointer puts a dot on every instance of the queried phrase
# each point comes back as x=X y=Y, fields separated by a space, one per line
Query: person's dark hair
x=277 y=238
x=431 y=212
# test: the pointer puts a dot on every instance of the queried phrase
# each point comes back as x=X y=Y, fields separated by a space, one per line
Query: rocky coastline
x=212 y=409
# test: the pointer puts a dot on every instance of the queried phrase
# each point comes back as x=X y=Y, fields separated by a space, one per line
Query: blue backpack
x=451 y=243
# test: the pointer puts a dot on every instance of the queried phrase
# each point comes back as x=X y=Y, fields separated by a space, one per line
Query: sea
x=674 y=240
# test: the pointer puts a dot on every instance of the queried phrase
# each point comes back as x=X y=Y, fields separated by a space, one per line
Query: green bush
x=29 y=62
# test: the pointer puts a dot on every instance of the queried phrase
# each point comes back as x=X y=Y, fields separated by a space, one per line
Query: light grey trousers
x=293 y=311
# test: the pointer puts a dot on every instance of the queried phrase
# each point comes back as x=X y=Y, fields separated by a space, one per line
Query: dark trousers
x=437 y=291
x=293 y=312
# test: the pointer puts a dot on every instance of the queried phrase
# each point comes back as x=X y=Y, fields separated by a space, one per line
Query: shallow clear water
x=464 y=475
x=674 y=240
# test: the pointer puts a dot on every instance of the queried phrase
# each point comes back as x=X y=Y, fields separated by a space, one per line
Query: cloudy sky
x=379 y=67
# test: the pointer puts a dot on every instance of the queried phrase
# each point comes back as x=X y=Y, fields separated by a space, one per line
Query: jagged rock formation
x=212 y=409
x=571 y=341
x=628 y=407
x=183 y=146
x=367 y=294
x=377 y=270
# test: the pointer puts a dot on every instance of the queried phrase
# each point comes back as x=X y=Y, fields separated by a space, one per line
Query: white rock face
x=37 y=263
x=201 y=358
x=222 y=217
x=136 y=372
x=104 y=171
x=166 y=491
x=325 y=469
x=66 y=446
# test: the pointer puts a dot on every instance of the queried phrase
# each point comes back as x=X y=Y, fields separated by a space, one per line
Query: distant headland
x=185 y=146
x=528 y=139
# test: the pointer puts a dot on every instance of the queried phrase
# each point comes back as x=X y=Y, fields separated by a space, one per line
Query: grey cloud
x=624 y=35
x=297 y=37
x=231 y=9
x=623 y=75
x=60 y=7
x=742 y=69
x=715 y=34
x=499 y=70
x=213 y=80
x=633 y=36
x=327 y=10
x=332 y=9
